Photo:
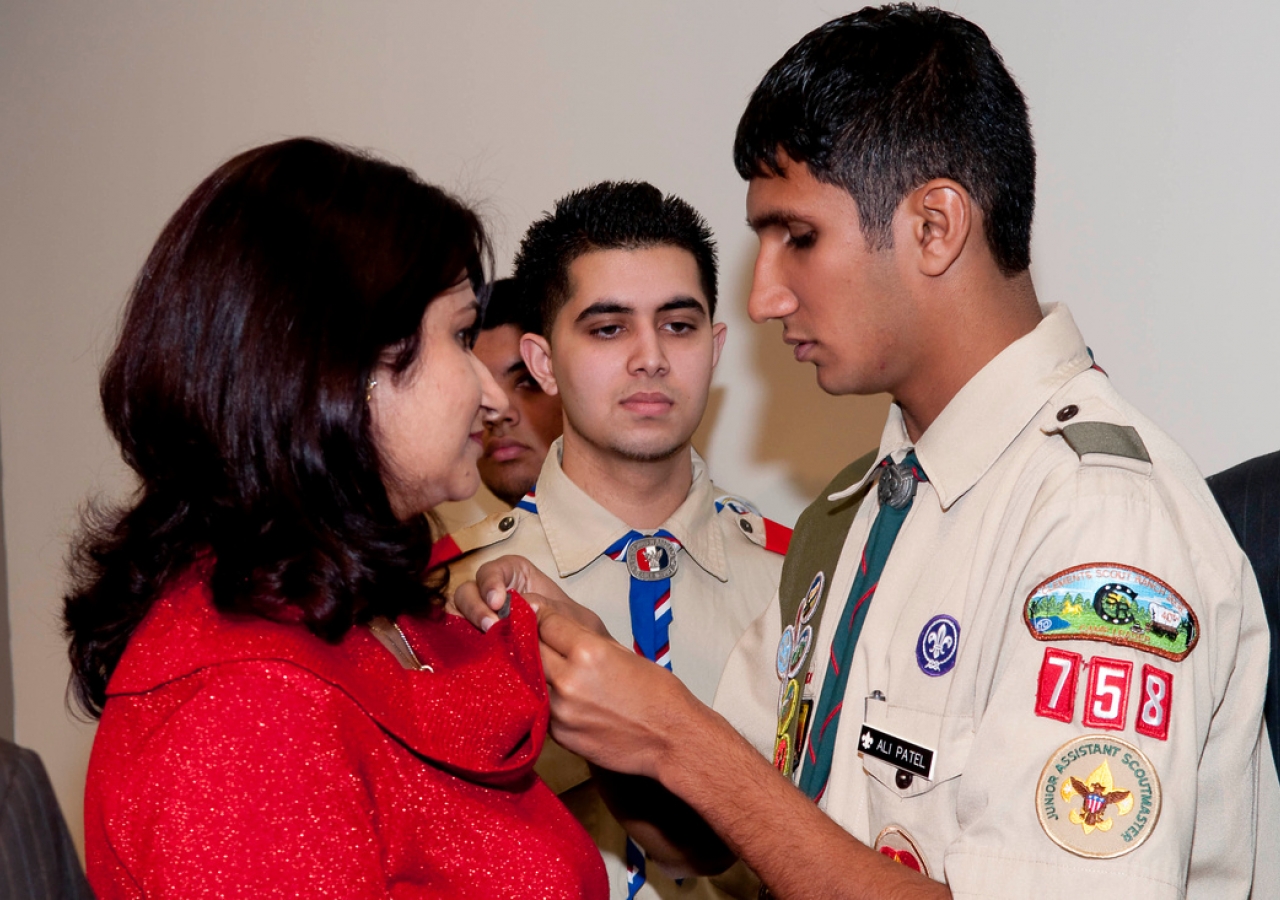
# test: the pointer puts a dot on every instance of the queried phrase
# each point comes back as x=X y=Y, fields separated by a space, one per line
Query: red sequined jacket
x=243 y=758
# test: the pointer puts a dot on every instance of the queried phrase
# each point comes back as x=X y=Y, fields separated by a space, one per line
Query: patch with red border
x=1115 y=604
x=1109 y=684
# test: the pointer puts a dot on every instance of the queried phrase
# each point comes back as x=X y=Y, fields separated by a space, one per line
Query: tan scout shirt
x=724 y=581
x=1008 y=506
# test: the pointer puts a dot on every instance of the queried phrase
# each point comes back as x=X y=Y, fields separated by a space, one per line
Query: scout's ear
x=938 y=217
x=536 y=353
x=717 y=341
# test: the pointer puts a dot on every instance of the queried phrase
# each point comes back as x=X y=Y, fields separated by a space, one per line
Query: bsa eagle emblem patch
x=896 y=844
x=1114 y=604
x=800 y=650
x=651 y=558
x=1098 y=797
x=937 y=646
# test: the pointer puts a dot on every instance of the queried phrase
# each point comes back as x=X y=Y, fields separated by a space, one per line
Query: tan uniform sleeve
x=747 y=695
x=1206 y=765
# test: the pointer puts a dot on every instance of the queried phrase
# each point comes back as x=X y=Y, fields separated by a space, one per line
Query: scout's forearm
x=793 y=846
x=672 y=834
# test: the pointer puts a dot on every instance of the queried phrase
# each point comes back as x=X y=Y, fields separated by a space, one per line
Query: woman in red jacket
x=285 y=709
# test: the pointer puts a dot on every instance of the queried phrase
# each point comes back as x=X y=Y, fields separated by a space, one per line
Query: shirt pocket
x=949 y=737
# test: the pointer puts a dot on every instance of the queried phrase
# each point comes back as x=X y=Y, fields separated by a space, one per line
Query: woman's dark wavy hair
x=237 y=392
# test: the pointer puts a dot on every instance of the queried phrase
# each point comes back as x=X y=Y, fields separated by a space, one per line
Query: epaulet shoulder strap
x=763 y=532
x=1107 y=439
x=818 y=539
x=488 y=531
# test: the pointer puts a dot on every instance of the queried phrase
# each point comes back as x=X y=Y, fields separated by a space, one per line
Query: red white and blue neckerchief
x=651 y=638
x=650 y=603
x=529 y=502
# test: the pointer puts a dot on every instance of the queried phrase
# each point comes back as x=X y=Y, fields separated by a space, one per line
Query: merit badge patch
x=782 y=754
x=811 y=598
x=937 y=646
x=1098 y=797
x=800 y=650
x=1114 y=604
x=786 y=644
x=788 y=703
x=896 y=844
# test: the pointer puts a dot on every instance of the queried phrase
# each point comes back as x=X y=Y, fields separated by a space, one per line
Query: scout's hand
x=617 y=709
x=487 y=599
x=608 y=704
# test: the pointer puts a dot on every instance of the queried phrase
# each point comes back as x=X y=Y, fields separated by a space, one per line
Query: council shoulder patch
x=1098 y=797
x=1115 y=604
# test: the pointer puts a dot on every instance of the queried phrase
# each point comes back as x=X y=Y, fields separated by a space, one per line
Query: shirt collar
x=579 y=529
x=991 y=410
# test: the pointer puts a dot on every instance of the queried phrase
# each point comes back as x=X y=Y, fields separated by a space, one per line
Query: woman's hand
x=487 y=599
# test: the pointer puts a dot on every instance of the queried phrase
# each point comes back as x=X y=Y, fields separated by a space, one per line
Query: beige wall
x=1156 y=124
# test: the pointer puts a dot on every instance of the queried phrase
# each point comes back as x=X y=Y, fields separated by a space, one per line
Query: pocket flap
x=949 y=737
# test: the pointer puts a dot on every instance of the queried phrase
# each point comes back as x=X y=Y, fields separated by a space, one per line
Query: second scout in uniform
x=624 y=514
x=1016 y=652
x=515 y=443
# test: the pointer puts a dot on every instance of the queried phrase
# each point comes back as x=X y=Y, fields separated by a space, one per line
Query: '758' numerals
x=1106 y=700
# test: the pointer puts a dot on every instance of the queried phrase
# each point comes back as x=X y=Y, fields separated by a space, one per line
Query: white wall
x=1156 y=124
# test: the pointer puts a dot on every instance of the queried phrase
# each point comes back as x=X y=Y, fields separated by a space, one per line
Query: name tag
x=898 y=752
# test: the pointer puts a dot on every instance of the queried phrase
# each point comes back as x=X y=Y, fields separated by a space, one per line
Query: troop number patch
x=1115 y=604
x=1098 y=797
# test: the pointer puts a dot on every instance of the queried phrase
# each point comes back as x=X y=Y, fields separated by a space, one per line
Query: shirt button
x=1068 y=412
x=745 y=525
x=903 y=780
x=507 y=523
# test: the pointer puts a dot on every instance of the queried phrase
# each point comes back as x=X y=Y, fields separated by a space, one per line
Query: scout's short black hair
x=882 y=100
x=611 y=215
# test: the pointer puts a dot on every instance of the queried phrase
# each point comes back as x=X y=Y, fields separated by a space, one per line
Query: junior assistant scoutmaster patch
x=1115 y=604
x=1098 y=796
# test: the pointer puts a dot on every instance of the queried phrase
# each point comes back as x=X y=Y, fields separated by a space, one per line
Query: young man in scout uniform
x=1032 y=661
x=515 y=444
x=624 y=515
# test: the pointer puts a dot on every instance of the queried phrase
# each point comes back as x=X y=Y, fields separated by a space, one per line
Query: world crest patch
x=937 y=646
x=1115 y=604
